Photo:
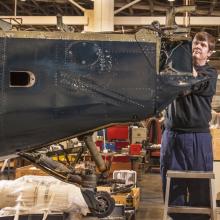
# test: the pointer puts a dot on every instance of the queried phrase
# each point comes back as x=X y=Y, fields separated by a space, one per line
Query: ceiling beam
x=19 y=5
x=131 y=11
x=126 y=6
x=151 y=4
x=38 y=7
x=194 y=21
x=118 y=20
x=164 y=7
x=212 y=7
x=6 y=6
x=45 y=20
x=103 y=15
x=77 y=5
x=59 y=8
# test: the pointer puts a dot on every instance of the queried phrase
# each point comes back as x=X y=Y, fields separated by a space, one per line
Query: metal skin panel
x=81 y=85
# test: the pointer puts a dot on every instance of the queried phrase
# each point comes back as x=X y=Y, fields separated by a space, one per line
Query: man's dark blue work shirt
x=192 y=112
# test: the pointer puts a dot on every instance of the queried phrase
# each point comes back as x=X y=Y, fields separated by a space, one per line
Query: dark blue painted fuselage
x=80 y=85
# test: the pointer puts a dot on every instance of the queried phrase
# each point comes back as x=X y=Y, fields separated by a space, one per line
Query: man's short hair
x=204 y=36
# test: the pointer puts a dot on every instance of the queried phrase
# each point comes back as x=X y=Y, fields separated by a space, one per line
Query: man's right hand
x=195 y=74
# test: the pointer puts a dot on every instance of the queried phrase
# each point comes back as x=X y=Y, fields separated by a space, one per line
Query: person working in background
x=186 y=141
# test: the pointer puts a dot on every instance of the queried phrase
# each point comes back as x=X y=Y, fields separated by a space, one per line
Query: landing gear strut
x=101 y=204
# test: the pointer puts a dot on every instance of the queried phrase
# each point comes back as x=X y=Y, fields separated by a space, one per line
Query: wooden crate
x=9 y=164
x=215 y=132
x=216 y=143
x=218 y=213
x=120 y=166
x=29 y=170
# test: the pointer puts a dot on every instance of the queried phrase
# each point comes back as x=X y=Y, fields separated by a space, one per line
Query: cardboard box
x=138 y=135
x=29 y=170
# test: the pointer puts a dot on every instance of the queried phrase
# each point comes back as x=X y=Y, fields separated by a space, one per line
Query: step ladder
x=189 y=209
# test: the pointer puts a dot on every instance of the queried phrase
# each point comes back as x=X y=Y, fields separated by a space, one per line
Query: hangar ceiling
x=143 y=7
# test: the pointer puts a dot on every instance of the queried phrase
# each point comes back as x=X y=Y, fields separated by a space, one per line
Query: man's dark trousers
x=190 y=152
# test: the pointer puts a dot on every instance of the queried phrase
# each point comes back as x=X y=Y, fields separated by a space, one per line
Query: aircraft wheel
x=106 y=204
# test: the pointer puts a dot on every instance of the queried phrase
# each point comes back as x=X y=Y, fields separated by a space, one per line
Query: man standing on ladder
x=186 y=141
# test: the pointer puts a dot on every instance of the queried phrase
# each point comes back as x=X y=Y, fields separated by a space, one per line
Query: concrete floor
x=151 y=204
